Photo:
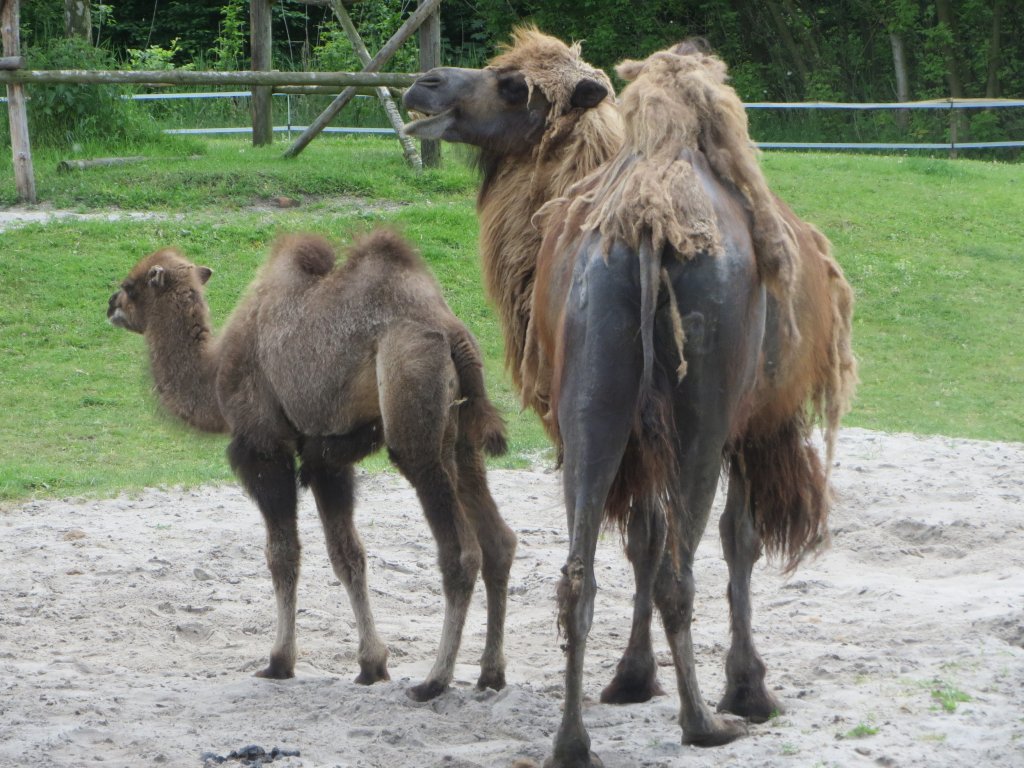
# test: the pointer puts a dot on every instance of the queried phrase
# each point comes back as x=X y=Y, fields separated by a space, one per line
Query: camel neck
x=508 y=249
x=183 y=360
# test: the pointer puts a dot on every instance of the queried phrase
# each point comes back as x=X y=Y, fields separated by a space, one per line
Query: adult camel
x=667 y=317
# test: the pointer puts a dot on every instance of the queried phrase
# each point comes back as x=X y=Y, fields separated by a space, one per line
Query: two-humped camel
x=329 y=364
x=668 y=318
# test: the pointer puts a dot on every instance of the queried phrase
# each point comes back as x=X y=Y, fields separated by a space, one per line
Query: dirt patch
x=130 y=629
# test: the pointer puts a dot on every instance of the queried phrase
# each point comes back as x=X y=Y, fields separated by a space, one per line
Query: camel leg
x=416 y=381
x=674 y=592
x=498 y=547
x=745 y=692
x=333 y=489
x=596 y=411
x=636 y=676
x=269 y=479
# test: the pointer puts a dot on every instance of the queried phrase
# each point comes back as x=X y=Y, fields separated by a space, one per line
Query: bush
x=66 y=114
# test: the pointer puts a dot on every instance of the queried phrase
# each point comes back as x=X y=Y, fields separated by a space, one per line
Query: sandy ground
x=130 y=629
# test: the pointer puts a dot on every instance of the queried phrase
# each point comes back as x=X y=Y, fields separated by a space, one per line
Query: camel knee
x=283 y=557
x=576 y=598
x=674 y=594
x=460 y=565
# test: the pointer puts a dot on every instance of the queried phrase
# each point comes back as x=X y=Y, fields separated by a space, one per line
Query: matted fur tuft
x=679 y=102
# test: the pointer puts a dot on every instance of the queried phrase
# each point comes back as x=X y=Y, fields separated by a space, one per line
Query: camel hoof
x=426 y=691
x=276 y=671
x=590 y=761
x=755 y=704
x=723 y=731
x=372 y=673
x=627 y=689
x=495 y=680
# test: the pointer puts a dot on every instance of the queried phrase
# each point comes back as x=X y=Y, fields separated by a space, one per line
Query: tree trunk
x=992 y=87
x=78 y=19
x=789 y=43
x=944 y=11
x=899 y=62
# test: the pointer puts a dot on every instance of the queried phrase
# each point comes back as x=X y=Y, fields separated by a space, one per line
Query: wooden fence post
x=430 y=57
x=409 y=26
x=261 y=40
x=387 y=102
x=21 y=148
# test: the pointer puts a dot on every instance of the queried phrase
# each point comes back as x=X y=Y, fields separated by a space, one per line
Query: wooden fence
x=261 y=80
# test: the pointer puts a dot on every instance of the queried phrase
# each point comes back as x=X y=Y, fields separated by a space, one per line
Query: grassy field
x=932 y=247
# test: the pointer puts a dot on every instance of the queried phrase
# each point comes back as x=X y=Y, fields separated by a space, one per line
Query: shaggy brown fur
x=575 y=141
x=678 y=102
x=328 y=364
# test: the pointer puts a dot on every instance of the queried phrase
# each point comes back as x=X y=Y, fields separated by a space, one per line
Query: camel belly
x=332 y=404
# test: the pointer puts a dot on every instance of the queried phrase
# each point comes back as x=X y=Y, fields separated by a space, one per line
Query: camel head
x=163 y=278
x=507 y=107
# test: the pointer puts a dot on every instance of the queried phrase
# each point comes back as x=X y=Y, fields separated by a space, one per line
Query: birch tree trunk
x=899 y=63
x=78 y=19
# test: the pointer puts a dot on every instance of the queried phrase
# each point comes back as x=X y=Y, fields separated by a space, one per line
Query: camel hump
x=312 y=254
x=386 y=245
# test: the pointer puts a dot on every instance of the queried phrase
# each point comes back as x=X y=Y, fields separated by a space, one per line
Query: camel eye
x=513 y=89
x=129 y=290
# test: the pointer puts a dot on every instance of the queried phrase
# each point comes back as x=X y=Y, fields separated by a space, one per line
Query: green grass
x=934 y=250
x=860 y=731
x=947 y=696
x=932 y=247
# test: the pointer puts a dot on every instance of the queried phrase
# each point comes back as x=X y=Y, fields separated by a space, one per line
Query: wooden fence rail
x=192 y=77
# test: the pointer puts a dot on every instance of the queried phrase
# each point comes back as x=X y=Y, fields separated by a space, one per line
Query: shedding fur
x=679 y=101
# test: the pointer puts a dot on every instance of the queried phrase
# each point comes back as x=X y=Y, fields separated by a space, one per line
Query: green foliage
x=156 y=58
x=227 y=52
x=781 y=51
x=63 y=115
x=376 y=22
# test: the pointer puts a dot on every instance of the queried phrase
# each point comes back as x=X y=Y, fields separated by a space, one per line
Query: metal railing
x=953 y=145
x=936 y=104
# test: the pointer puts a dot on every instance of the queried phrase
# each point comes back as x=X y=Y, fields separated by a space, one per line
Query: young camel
x=667 y=317
x=329 y=364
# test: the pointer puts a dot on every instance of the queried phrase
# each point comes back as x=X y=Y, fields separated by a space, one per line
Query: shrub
x=65 y=114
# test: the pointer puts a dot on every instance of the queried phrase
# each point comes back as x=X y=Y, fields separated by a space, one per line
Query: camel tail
x=479 y=420
x=788 y=489
x=647 y=481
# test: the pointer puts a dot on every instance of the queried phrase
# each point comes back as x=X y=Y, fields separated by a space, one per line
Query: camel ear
x=629 y=69
x=156 y=278
x=588 y=94
x=204 y=274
